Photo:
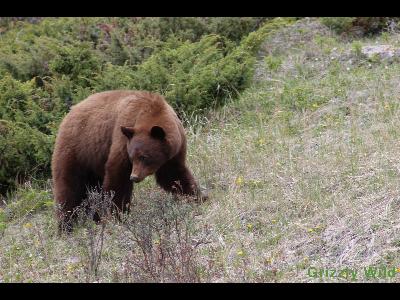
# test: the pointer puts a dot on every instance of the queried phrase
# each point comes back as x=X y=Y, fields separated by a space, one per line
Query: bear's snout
x=135 y=178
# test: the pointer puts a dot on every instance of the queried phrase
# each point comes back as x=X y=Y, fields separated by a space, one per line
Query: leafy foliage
x=357 y=25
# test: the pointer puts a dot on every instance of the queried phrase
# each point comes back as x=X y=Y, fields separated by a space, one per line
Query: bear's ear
x=127 y=131
x=157 y=132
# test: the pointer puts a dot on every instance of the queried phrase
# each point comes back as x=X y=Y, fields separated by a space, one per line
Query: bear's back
x=86 y=131
x=93 y=125
x=103 y=100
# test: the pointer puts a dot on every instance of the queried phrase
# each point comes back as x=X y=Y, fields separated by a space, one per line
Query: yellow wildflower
x=28 y=225
x=239 y=180
x=240 y=253
x=70 y=268
x=249 y=226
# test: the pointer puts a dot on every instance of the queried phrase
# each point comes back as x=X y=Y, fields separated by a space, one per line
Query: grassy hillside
x=302 y=172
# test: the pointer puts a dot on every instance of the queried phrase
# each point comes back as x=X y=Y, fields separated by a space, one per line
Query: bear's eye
x=144 y=159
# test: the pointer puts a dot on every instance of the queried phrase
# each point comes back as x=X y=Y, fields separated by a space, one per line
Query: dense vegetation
x=359 y=26
x=49 y=64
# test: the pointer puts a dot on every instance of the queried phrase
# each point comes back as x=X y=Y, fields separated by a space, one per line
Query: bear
x=112 y=140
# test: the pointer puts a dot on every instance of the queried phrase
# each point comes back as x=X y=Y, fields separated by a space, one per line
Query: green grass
x=302 y=171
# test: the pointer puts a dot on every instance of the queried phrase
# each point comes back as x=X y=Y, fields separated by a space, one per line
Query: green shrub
x=338 y=24
x=234 y=28
x=360 y=25
x=272 y=62
x=197 y=76
x=28 y=117
x=133 y=40
x=24 y=151
x=118 y=52
x=27 y=104
x=26 y=59
x=371 y=25
x=26 y=200
x=77 y=62
x=297 y=96
x=193 y=76
x=356 y=47
x=3 y=219
x=115 y=77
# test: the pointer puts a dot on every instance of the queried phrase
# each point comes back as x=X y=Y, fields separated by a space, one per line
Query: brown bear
x=113 y=138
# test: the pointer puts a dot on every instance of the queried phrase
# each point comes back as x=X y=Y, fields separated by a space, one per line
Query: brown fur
x=112 y=136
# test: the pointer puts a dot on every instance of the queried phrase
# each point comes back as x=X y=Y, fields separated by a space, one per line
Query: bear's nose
x=134 y=178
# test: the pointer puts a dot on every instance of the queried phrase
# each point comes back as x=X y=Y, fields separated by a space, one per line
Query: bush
x=25 y=103
x=194 y=76
x=77 y=62
x=163 y=243
x=24 y=152
x=338 y=24
x=26 y=59
x=28 y=120
x=26 y=200
x=234 y=28
x=357 y=25
x=273 y=63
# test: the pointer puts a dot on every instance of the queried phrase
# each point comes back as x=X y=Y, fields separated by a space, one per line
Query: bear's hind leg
x=69 y=193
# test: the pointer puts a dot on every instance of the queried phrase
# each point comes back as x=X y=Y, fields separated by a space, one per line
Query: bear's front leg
x=116 y=179
x=175 y=177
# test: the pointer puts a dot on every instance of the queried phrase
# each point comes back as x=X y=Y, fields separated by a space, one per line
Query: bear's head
x=147 y=150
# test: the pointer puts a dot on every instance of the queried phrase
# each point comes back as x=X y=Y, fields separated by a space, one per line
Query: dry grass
x=303 y=171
